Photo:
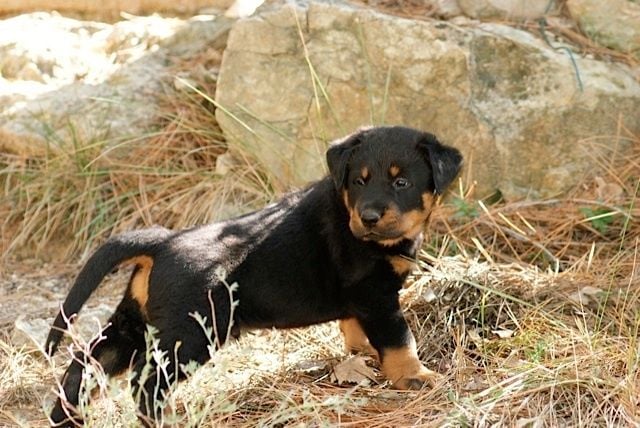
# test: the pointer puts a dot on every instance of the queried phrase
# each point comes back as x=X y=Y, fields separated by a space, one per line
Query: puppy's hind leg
x=158 y=371
x=114 y=351
x=185 y=326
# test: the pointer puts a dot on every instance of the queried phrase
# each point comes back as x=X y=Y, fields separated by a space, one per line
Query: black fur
x=297 y=262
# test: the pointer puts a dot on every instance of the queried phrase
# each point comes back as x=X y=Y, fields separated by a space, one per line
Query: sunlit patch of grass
x=22 y=377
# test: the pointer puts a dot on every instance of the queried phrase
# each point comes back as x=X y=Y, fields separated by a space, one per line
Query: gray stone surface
x=32 y=332
x=295 y=77
x=612 y=23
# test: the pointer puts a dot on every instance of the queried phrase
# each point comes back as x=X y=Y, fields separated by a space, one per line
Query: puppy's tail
x=115 y=251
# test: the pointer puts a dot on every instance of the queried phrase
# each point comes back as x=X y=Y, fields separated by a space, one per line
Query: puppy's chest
x=388 y=272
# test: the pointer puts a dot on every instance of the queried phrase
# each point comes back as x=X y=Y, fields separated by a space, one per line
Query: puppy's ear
x=338 y=157
x=445 y=161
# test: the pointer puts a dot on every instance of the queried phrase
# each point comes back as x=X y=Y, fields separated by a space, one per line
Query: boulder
x=614 y=24
x=294 y=77
x=87 y=81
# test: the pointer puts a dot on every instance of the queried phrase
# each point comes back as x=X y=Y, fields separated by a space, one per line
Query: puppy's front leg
x=390 y=336
x=355 y=339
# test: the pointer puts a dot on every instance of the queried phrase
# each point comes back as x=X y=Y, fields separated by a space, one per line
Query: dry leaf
x=534 y=422
x=429 y=295
x=312 y=367
x=512 y=361
x=474 y=336
x=352 y=370
x=608 y=191
x=477 y=383
x=584 y=295
x=503 y=334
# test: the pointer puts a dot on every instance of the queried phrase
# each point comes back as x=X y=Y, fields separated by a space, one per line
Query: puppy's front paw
x=403 y=368
x=424 y=377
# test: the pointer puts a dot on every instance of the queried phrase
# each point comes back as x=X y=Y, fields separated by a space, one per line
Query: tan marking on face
x=394 y=171
x=415 y=221
x=355 y=223
x=407 y=225
x=401 y=265
x=364 y=172
x=390 y=220
x=355 y=339
x=390 y=242
x=404 y=369
x=428 y=200
x=139 y=285
x=345 y=198
x=390 y=217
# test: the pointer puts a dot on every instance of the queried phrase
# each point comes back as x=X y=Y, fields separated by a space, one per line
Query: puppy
x=337 y=250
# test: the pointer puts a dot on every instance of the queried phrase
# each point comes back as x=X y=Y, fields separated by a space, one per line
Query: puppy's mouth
x=372 y=235
x=386 y=238
x=389 y=233
x=377 y=234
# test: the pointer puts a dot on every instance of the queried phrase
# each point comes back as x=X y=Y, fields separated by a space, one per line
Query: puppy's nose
x=370 y=217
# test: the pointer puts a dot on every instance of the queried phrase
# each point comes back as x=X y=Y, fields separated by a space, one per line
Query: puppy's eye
x=401 y=183
x=359 y=181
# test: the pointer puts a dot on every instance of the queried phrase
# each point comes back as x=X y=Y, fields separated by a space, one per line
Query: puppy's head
x=388 y=178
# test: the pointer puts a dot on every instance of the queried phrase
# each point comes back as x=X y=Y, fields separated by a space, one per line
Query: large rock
x=612 y=23
x=87 y=81
x=293 y=78
x=31 y=332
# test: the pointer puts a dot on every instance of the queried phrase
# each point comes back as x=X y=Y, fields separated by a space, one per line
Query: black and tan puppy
x=340 y=249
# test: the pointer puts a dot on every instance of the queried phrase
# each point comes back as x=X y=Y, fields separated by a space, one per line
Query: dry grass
x=91 y=187
x=534 y=321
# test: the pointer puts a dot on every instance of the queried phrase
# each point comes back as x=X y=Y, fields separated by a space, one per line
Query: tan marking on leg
x=355 y=339
x=403 y=368
x=402 y=265
x=394 y=171
x=139 y=285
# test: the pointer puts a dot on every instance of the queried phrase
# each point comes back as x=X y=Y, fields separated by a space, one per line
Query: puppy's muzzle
x=375 y=223
x=371 y=216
